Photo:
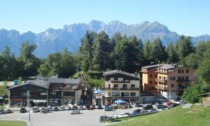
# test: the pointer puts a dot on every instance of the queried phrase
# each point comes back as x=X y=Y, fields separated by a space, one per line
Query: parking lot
x=64 y=118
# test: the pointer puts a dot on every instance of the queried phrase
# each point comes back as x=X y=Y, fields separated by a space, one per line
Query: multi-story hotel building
x=121 y=85
x=170 y=80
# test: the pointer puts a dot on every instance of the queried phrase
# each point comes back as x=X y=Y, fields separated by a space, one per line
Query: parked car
x=81 y=107
x=8 y=111
x=75 y=111
x=136 y=112
x=1 y=111
x=108 y=108
x=45 y=110
x=148 y=107
x=100 y=107
x=152 y=111
x=23 y=110
x=161 y=106
x=67 y=108
x=50 y=108
x=36 y=109
x=62 y=108
x=121 y=115
x=138 y=105
x=55 y=108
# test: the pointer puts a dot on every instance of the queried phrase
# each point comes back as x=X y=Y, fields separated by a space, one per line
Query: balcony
x=161 y=81
x=125 y=88
x=161 y=88
x=120 y=81
x=182 y=80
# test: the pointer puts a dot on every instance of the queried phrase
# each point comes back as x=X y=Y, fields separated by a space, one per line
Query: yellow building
x=169 y=80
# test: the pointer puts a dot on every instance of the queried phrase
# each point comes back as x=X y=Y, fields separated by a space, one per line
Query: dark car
x=148 y=107
x=138 y=105
x=55 y=109
x=136 y=112
x=23 y=110
x=1 y=111
x=160 y=106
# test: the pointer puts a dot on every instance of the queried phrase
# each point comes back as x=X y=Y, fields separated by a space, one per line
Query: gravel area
x=64 y=118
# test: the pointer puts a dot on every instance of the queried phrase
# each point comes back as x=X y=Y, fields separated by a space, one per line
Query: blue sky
x=188 y=17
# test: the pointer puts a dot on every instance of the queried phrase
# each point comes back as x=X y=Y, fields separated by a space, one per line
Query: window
x=115 y=93
x=182 y=71
x=109 y=94
x=150 y=82
x=132 y=94
x=187 y=71
x=182 y=78
x=179 y=71
x=187 y=78
x=132 y=86
x=172 y=85
x=125 y=93
x=150 y=75
x=172 y=78
x=115 y=86
x=159 y=77
x=155 y=75
x=53 y=93
x=23 y=94
x=124 y=86
x=120 y=79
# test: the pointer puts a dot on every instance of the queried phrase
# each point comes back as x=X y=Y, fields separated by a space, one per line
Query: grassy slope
x=195 y=116
x=12 y=123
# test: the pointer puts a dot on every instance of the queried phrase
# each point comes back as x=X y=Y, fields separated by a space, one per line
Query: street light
x=29 y=115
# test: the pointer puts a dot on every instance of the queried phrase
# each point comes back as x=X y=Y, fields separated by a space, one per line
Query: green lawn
x=12 y=123
x=195 y=116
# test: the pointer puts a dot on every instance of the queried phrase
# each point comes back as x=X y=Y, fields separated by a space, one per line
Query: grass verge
x=12 y=123
x=195 y=116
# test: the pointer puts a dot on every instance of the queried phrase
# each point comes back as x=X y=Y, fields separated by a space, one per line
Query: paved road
x=64 y=118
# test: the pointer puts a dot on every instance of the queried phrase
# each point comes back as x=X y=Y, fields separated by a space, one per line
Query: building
x=206 y=99
x=149 y=76
x=49 y=91
x=169 y=80
x=121 y=85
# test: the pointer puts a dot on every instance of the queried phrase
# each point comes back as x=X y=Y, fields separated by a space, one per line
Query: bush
x=192 y=94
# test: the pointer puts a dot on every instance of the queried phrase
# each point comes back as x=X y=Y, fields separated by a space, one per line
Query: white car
x=121 y=115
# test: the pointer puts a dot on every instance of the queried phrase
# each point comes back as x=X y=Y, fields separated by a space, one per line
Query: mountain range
x=54 y=40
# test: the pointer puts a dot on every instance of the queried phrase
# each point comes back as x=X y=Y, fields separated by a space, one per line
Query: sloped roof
x=45 y=82
x=37 y=83
x=119 y=72
x=64 y=81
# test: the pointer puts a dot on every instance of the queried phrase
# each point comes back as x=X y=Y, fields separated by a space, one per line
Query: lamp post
x=29 y=115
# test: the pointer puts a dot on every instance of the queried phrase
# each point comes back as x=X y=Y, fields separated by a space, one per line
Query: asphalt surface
x=63 y=118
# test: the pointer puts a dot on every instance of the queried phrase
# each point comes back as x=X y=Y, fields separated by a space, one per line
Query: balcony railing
x=161 y=88
x=161 y=81
x=132 y=88
x=183 y=80
x=120 y=81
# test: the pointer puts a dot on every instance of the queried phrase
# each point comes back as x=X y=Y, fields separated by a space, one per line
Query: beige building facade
x=121 y=85
x=170 y=79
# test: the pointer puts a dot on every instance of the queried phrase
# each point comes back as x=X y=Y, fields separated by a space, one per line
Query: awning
x=39 y=101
